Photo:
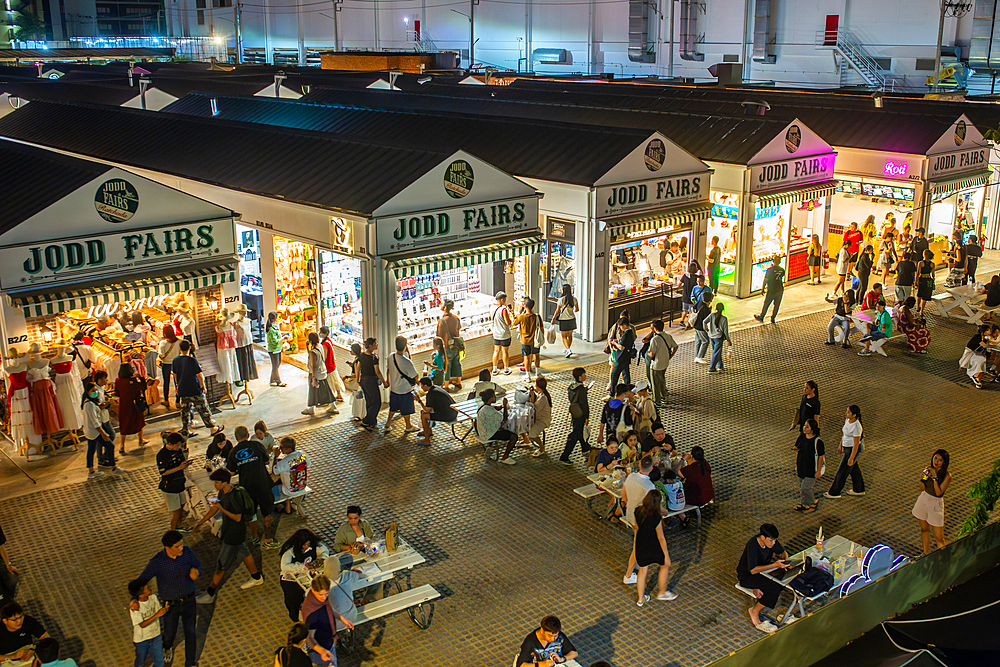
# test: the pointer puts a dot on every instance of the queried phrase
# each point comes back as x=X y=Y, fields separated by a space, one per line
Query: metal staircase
x=854 y=55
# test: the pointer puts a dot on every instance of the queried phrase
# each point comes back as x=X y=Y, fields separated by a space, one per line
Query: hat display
x=60 y=343
x=242 y=308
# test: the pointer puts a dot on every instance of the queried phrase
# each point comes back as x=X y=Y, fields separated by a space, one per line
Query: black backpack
x=812 y=581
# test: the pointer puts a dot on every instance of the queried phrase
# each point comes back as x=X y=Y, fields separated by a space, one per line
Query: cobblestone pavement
x=508 y=544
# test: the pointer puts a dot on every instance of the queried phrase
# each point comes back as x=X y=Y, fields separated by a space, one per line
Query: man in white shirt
x=402 y=378
x=662 y=348
x=292 y=470
x=489 y=424
x=636 y=486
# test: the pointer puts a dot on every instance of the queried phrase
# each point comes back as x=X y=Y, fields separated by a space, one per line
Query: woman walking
x=815 y=260
x=566 y=309
x=165 y=355
x=866 y=264
x=651 y=548
x=925 y=280
x=319 y=388
x=371 y=381
x=130 y=418
x=718 y=331
x=929 y=509
x=886 y=254
x=275 y=341
x=293 y=653
x=917 y=335
x=809 y=464
x=851 y=446
x=98 y=439
x=843 y=266
x=621 y=343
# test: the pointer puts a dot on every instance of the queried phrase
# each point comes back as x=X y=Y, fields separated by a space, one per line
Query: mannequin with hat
x=184 y=322
x=244 y=350
x=45 y=414
x=19 y=402
x=68 y=389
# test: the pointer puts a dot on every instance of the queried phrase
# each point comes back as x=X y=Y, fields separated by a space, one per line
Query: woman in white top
x=539 y=396
x=93 y=429
x=843 y=267
x=566 y=309
x=501 y=335
x=319 y=389
x=850 y=448
x=166 y=353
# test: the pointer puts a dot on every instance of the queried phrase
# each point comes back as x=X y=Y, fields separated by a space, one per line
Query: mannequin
x=45 y=413
x=184 y=319
x=68 y=390
x=244 y=345
x=19 y=404
x=226 y=348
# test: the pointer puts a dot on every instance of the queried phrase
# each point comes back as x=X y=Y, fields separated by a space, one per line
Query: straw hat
x=34 y=348
x=60 y=343
x=14 y=353
x=242 y=308
x=183 y=307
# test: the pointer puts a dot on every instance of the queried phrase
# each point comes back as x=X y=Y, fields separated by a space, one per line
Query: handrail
x=860 y=59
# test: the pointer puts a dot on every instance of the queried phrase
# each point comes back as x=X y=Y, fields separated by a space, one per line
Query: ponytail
x=719 y=307
x=296 y=634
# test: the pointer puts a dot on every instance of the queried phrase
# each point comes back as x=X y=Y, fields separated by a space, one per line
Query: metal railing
x=854 y=53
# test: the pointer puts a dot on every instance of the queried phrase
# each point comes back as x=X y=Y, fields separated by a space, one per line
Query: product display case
x=295 y=286
x=419 y=302
x=340 y=298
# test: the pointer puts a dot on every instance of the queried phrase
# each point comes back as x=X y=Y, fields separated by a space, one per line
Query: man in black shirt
x=652 y=444
x=757 y=558
x=906 y=276
x=190 y=383
x=700 y=335
x=249 y=460
x=547 y=646
x=18 y=633
x=774 y=289
x=9 y=575
x=808 y=407
x=972 y=252
x=436 y=407
x=919 y=244
x=687 y=282
x=171 y=464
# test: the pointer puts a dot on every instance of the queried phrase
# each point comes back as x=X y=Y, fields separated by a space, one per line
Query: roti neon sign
x=893 y=169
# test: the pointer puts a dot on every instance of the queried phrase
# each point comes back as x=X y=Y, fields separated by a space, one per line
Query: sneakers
x=411 y=429
x=251 y=582
x=117 y=470
x=630 y=579
x=495 y=371
x=977 y=383
x=95 y=474
x=699 y=360
x=508 y=461
x=826 y=494
x=641 y=601
x=852 y=492
x=168 y=656
x=712 y=370
x=273 y=544
x=759 y=318
x=206 y=598
x=183 y=529
x=568 y=354
x=668 y=596
x=865 y=353
x=309 y=411
x=507 y=371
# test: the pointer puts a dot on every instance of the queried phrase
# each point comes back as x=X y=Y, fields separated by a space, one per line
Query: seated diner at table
x=608 y=457
x=879 y=328
x=547 y=646
x=697 y=476
x=302 y=552
x=974 y=356
x=352 y=532
x=992 y=292
x=490 y=424
x=435 y=406
x=486 y=382
x=763 y=553
x=18 y=634
x=629 y=446
x=539 y=396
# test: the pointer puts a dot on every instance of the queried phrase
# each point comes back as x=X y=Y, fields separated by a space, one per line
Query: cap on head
x=501 y=295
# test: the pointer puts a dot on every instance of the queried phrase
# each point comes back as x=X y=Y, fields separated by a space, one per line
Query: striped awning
x=417 y=266
x=668 y=220
x=37 y=303
x=803 y=193
x=951 y=187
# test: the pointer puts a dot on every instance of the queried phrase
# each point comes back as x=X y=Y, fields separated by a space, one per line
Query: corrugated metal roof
x=11 y=55
x=61 y=91
x=305 y=167
x=34 y=179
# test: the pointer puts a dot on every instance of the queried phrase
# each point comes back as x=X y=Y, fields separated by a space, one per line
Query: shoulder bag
x=395 y=362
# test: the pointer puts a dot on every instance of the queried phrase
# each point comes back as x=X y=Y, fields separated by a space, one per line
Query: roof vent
x=755 y=107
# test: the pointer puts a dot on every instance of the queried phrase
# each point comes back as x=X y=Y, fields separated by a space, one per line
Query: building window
x=201 y=17
x=104 y=26
x=200 y=4
x=135 y=26
x=924 y=65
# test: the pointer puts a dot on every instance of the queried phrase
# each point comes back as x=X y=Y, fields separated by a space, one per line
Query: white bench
x=797 y=600
x=689 y=508
x=298 y=499
x=413 y=601
x=981 y=312
x=589 y=492
x=938 y=301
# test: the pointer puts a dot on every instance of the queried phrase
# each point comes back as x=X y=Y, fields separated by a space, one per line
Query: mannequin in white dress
x=22 y=429
x=45 y=413
x=226 y=349
x=68 y=392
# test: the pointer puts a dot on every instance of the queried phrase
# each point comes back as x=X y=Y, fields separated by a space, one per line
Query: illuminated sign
x=342 y=235
x=893 y=169
x=104 y=309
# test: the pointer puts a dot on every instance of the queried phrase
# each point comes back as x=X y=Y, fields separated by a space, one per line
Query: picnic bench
x=602 y=482
x=467 y=411
x=965 y=297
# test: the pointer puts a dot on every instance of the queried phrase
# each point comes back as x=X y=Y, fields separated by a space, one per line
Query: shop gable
x=961 y=135
x=793 y=142
x=657 y=157
x=115 y=201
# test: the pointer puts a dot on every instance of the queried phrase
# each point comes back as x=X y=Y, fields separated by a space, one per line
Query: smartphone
x=592 y=383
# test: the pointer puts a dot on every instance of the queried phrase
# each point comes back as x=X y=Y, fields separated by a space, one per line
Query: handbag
x=358 y=407
x=139 y=401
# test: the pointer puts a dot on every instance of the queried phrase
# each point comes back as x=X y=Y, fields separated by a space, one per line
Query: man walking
x=176 y=569
x=662 y=348
x=171 y=464
x=774 y=289
x=249 y=459
x=579 y=412
x=402 y=380
x=236 y=507
x=700 y=334
x=190 y=383
x=714 y=264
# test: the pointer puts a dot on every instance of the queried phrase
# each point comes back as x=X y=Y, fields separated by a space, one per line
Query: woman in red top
x=130 y=419
x=697 y=474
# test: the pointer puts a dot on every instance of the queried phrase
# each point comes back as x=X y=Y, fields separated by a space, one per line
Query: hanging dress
x=19 y=409
x=244 y=350
x=68 y=395
x=45 y=413
x=228 y=366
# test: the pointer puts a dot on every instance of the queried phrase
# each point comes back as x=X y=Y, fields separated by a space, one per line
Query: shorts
x=813 y=260
x=686 y=306
x=454 y=364
x=263 y=501
x=567 y=325
x=536 y=429
x=528 y=349
x=401 y=403
x=443 y=418
x=854 y=258
x=877 y=335
x=929 y=509
x=437 y=377
x=229 y=554
x=501 y=343
x=174 y=501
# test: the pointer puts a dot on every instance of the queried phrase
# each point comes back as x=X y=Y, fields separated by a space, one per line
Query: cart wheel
x=422 y=614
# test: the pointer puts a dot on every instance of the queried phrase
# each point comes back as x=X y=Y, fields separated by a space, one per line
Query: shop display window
x=643 y=265
x=770 y=229
x=295 y=287
x=340 y=298
x=724 y=223
x=419 y=299
x=561 y=267
x=251 y=285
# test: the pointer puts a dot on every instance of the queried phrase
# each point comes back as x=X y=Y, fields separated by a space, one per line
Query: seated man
x=658 y=440
x=873 y=298
x=762 y=554
x=437 y=408
x=609 y=456
x=47 y=654
x=291 y=470
x=18 y=633
x=546 y=646
x=489 y=424
x=880 y=327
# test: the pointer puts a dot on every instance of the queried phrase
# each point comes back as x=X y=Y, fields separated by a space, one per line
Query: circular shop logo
x=116 y=200
x=458 y=179
x=656 y=153
x=793 y=138
x=960 y=131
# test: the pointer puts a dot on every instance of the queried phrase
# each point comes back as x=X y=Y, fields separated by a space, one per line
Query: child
x=146 y=623
x=438 y=363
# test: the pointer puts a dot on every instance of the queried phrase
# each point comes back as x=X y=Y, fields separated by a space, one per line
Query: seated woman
x=485 y=382
x=608 y=457
x=917 y=335
x=302 y=552
x=221 y=447
x=697 y=476
x=630 y=446
x=974 y=356
x=992 y=292
x=539 y=397
x=842 y=318
x=352 y=532
x=323 y=622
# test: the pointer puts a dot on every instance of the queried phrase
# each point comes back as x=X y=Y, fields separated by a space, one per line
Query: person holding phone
x=546 y=646
x=763 y=553
x=171 y=462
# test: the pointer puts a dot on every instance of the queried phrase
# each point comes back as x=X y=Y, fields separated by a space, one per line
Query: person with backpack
x=687 y=283
x=621 y=344
x=293 y=654
x=449 y=329
x=700 y=293
x=810 y=464
x=579 y=412
x=851 y=446
x=566 y=309
x=528 y=324
x=236 y=507
x=646 y=414
x=662 y=348
x=618 y=414
x=402 y=380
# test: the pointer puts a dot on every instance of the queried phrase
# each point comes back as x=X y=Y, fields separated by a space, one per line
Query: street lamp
x=953 y=9
x=472 y=29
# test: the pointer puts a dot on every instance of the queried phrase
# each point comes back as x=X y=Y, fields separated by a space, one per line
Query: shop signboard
x=791 y=173
x=658 y=193
x=560 y=230
x=114 y=256
x=948 y=165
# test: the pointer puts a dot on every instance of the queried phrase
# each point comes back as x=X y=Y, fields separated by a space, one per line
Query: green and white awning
x=951 y=187
x=418 y=266
x=667 y=221
x=797 y=194
x=41 y=302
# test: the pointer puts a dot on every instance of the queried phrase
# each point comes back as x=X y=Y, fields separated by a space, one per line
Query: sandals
x=767 y=627
x=805 y=508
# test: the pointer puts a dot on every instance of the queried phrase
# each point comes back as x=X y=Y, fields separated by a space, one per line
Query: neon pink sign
x=893 y=169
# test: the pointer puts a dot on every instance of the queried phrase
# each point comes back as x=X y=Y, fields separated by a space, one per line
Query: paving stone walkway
x=508 y=544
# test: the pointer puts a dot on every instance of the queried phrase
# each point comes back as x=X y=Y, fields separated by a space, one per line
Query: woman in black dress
x=371 y=381
x=651 y=547
x=925 y=280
